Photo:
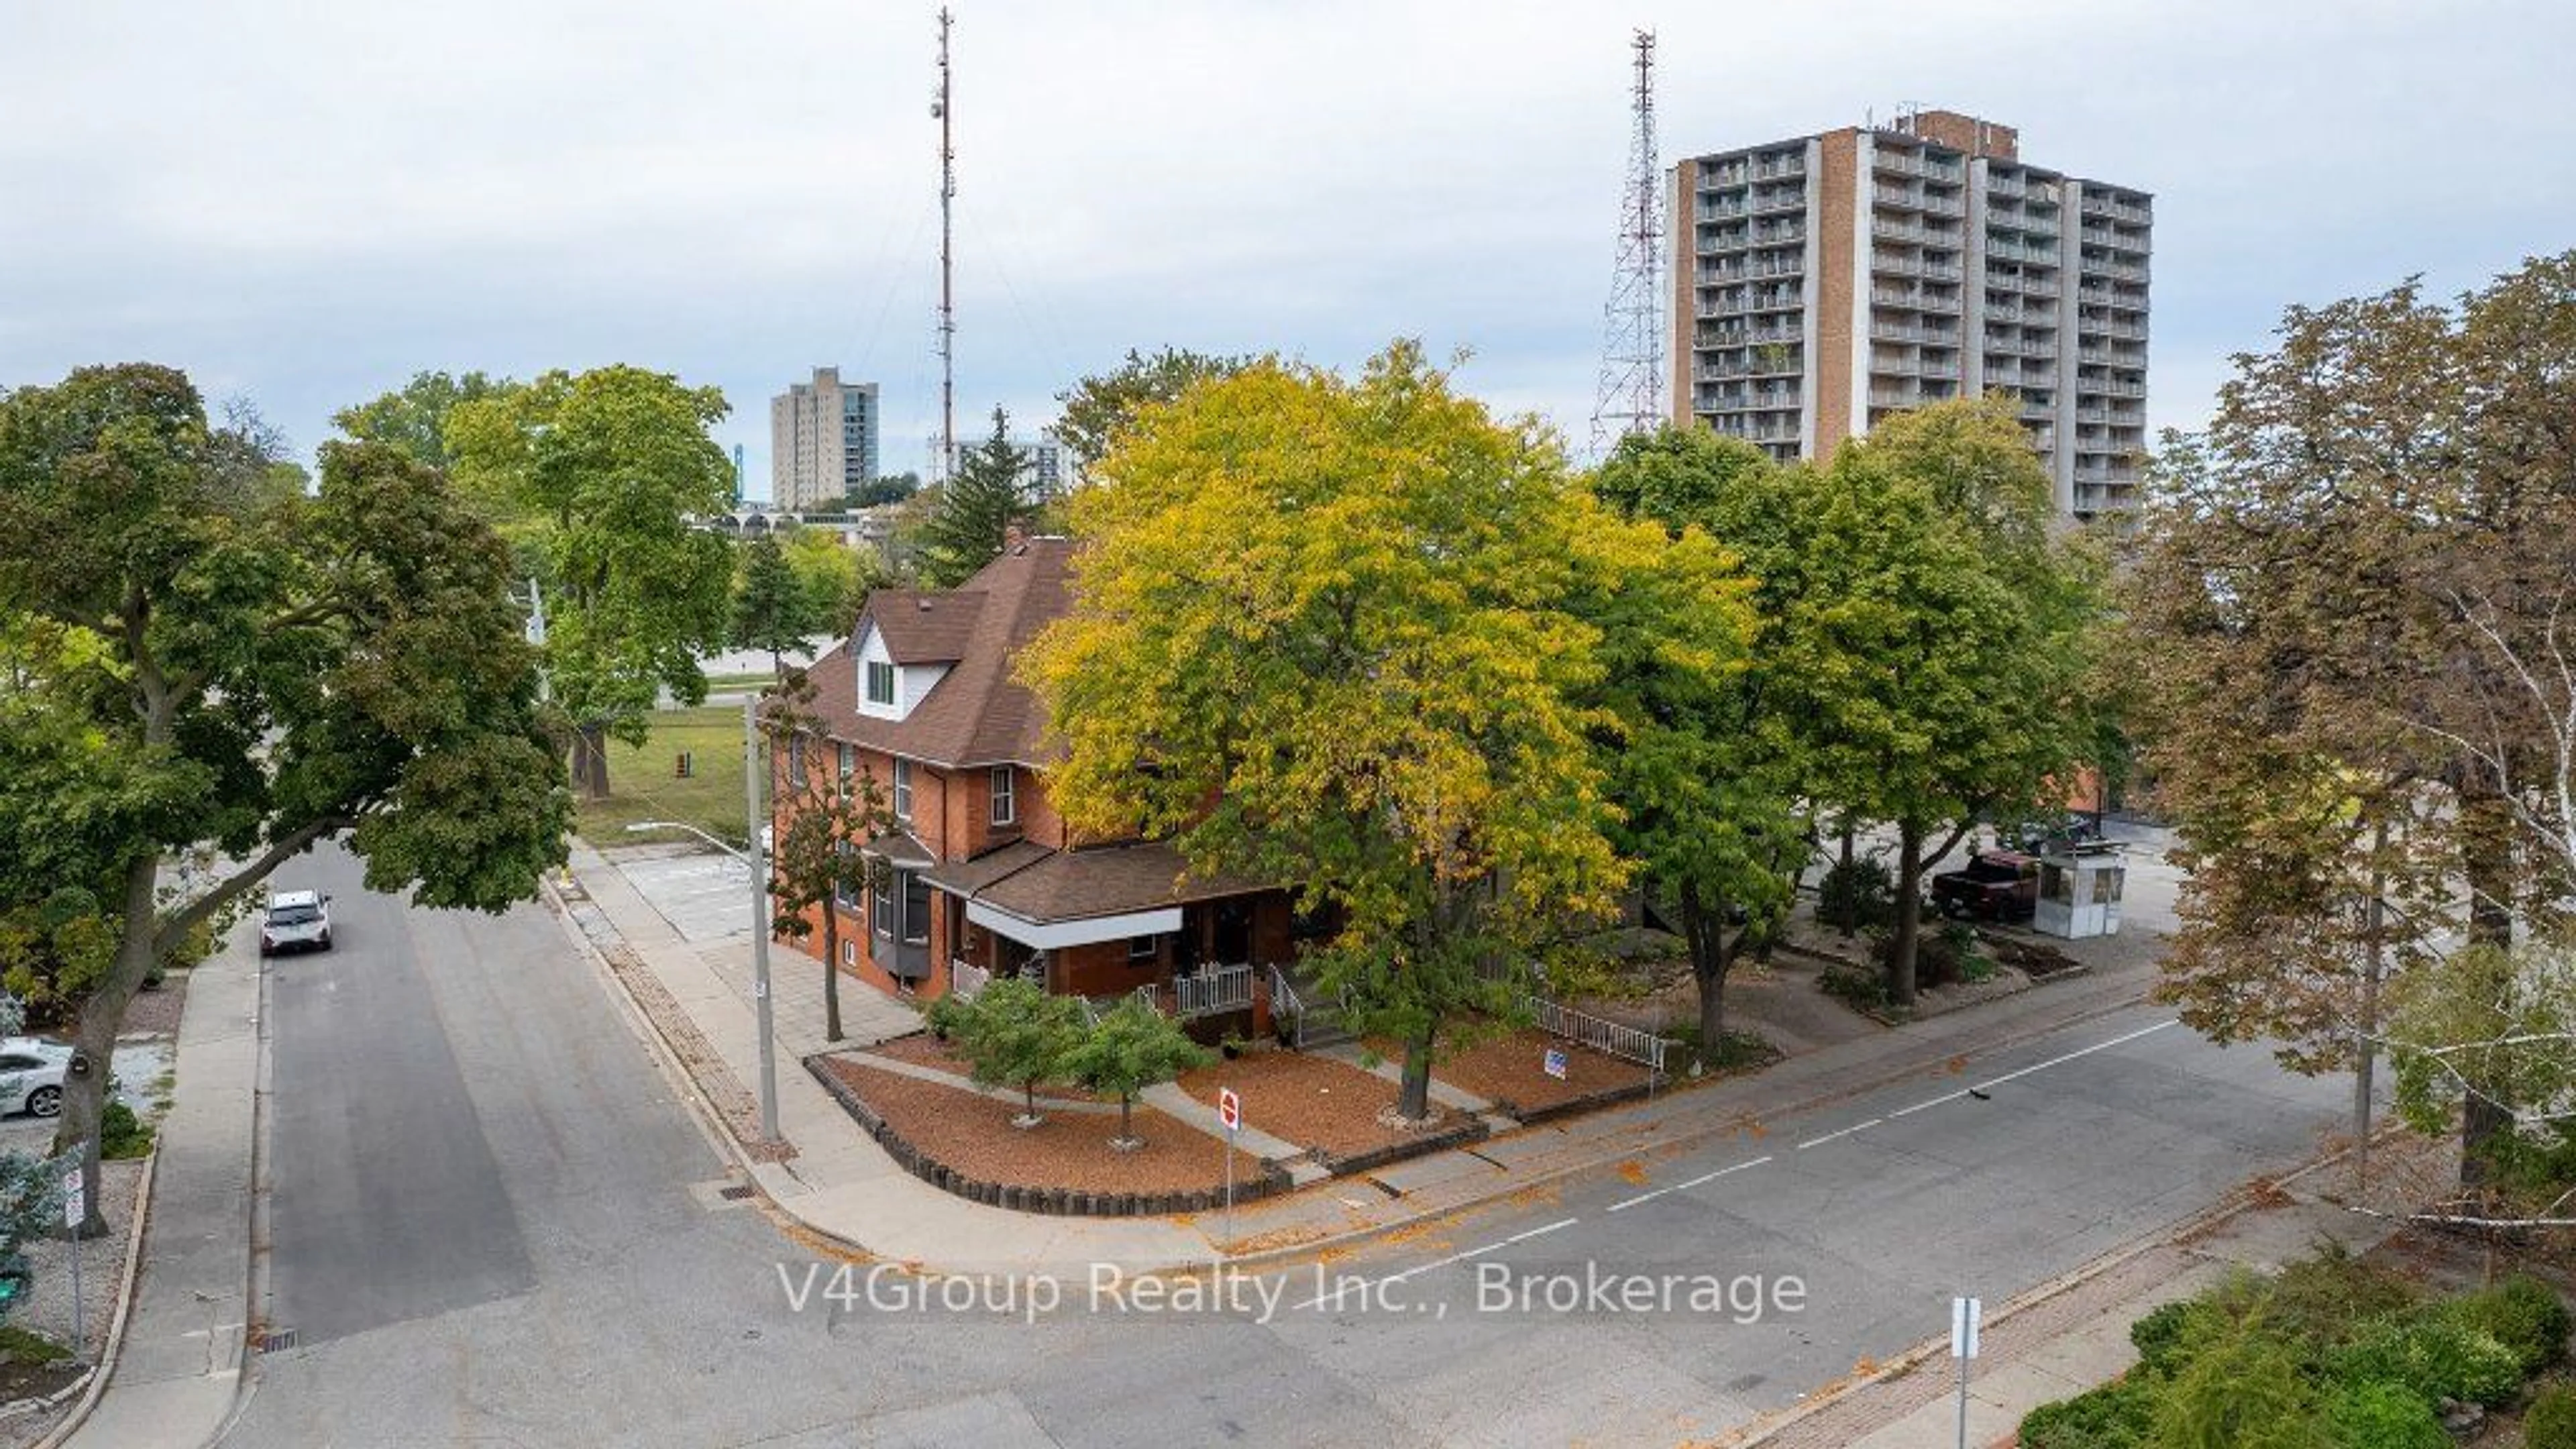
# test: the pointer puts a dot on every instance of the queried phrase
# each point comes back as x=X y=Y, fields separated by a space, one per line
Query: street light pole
x=759 y=918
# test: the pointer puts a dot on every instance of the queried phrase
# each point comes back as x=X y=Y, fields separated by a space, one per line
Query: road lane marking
x=1846 y=1132
x=1935 y=1102
x=1340 y=1291
x=2083 y=1052
x=1694 y=1182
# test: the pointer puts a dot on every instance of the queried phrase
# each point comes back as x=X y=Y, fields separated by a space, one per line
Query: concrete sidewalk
x=177 y=1374
x=839 y=1183
x=2061 y=1338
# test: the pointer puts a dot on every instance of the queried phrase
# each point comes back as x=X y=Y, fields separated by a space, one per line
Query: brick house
x=982 y=877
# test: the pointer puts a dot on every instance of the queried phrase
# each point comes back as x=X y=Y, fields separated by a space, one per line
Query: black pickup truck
x=1997 y=885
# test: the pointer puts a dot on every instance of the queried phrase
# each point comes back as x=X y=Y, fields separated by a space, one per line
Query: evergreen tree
x=974 y=509
x=771 y=608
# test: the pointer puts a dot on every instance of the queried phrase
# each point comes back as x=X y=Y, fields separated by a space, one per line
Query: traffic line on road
x=1336 y=1294
x=1935 y=1102
x=2080 y=1052
x=1845 y=1132
x=1684 y=1186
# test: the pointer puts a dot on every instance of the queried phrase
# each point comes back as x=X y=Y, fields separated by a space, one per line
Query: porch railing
x=965 y=978
x=1213 y=990
x=1626 y=1042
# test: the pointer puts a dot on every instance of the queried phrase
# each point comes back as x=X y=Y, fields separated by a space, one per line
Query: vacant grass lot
x=644 y=784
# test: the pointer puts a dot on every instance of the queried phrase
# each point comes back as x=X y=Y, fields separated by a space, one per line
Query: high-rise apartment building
x=1042 y=470
x=1823 y=282
x=822 y=441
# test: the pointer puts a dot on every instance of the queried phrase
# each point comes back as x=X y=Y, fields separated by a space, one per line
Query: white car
x=296 y=920
x=31 y=1075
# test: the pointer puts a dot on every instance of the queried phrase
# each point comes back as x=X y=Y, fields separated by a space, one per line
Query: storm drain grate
x=277 y=1340
x=737 y=1192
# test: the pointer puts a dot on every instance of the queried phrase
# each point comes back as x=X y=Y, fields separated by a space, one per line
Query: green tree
x=1321 y=634
x=1017 y=1033
x=413 y=419
x=837 y=578
x=1100 y=407
x=609 y=466
x=771 y=608
x=821 y=828
x=1128 y=1049
x=1942 y=638
x=249 y=680
x=888 y=488
x=1707 y=758
x=971 y=514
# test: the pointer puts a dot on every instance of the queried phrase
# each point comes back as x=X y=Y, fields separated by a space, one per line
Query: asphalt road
x=493 y=1225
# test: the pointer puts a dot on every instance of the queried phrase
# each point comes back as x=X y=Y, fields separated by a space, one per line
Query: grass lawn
x=644 y=783
x=729 y=683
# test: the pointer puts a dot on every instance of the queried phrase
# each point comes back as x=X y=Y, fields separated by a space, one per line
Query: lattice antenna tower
x=1630 y=396
x=940 y=107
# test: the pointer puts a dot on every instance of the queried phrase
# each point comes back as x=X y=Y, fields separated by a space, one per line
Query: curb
x=2241 y=1198
x=1219 y=1260
x=106 y=1367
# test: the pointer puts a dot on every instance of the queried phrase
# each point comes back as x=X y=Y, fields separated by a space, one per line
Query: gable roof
x=923 y=626
x=977 y=714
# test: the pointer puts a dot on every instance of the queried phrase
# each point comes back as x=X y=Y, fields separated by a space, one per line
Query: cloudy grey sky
x=304 y=203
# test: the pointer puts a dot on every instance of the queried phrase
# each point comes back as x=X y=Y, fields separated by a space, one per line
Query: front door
x=1233 y=943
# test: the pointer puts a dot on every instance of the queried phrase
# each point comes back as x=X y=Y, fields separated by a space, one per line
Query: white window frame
x=849 y=765
x=1006 y=805
x=893 y=683
x=796 y=758
x=1153 y=949
x=903 y=789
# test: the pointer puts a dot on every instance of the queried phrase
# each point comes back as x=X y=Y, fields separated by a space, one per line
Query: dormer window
x=880 y=682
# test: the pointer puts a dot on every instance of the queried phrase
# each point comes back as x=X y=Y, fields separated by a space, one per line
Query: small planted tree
x=821 y=825
x=1015 y=1033
x=1128 y=1050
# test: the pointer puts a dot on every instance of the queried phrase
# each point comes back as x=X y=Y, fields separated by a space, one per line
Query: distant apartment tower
x=822 y=442
x=1826 y=281
x=1042 y=476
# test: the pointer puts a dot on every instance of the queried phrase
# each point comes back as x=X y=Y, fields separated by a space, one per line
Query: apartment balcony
x=1723 y=210
x=1776 y=233
x=1912 y=163
x=1901 y=197
x=1748 y=367
x=1748 y=336
x=2116 y=271
x=1787 y=198
x=1887 y=329
x=2103 y=387
x=1915 y=298
x=1895 y=397
x=2008 y=184
x=1945 y=203
x=1784 y=167
x=2098 y=204
x=1713 y=177
x=1906 y=231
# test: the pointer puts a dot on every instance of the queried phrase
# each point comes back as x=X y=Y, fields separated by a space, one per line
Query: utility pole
x=758 y=854
x=1630 y=397
x=939 y=107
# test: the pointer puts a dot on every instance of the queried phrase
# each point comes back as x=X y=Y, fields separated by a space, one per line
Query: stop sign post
x=1229 y=1110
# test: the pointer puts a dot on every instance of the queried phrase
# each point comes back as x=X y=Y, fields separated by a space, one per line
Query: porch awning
x=901 y=851
x=1056 y=935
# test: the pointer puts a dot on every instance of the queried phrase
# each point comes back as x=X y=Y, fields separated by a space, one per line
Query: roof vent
x=922 y=604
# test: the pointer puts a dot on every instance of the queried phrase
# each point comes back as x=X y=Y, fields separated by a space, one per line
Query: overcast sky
x=305 y=203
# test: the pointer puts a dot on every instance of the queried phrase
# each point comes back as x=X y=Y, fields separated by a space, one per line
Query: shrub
x=2435 y=1355
x=2383 y=1416
x=2327 y=1298
x=2522 y=1313
x=2243 y=1391
x=2168 y=1337
x=23 y=1346
x=1856 y=896
x=1857 y=987
x=2550 y=1422
x=2114 y=1416
x=121 y=1134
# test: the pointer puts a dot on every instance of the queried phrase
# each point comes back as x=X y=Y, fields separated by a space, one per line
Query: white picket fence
x=965 y=978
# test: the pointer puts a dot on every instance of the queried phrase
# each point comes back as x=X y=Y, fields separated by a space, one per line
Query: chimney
x=1015 y=537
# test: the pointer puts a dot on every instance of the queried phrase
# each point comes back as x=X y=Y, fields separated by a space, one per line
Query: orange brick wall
x=1837 y=309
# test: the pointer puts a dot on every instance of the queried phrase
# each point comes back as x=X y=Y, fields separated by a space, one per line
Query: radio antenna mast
x=940 y=107
x=1629 y=397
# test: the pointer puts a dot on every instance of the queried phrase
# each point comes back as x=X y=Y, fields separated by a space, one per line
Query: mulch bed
x=2036 y=959
x=973 y=1137
x=1320 y=1104
x=156 y=1012
x=1510 y=1072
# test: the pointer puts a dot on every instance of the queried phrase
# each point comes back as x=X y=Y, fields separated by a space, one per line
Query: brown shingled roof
x=924 y=626
x=977 y=714
x=1107 y=880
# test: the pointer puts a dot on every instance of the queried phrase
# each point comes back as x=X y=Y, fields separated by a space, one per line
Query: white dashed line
x=1846 y=1132
x=1935 y=1102
x=2070 y=1056
x=1682 y=1186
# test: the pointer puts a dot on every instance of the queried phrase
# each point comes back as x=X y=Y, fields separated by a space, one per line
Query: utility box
x=2079 y=890
x=686 y=766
